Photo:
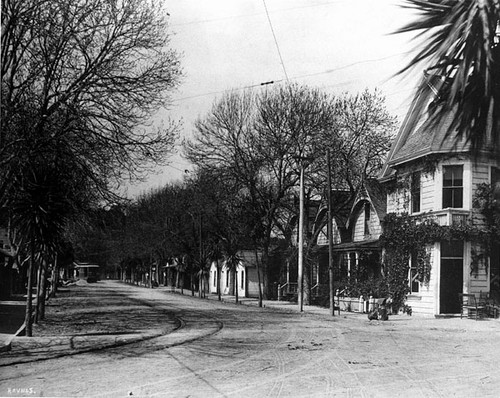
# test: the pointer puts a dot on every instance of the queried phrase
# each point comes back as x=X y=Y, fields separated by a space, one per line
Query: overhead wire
x=275 y=40
x=292 y=78
x=255 y=14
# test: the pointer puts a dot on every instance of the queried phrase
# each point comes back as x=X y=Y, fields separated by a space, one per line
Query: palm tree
x=232 y=260
x=38 y=215
x=461 y=55
x=203 y=270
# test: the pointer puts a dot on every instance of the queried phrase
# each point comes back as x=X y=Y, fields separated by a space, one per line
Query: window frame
x=367 y=217
x=412 y=275
x=416 y=192
x=453 y=189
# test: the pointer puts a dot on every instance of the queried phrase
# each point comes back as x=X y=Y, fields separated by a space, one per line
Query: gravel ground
x=227 y=350
x=92 y=309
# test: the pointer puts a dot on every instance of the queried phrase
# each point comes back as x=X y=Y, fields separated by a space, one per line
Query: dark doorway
x=451 y=276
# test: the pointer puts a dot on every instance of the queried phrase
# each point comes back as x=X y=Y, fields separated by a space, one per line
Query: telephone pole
x=330 y=235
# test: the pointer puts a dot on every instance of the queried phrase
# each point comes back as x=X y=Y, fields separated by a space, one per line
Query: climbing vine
x=407 y=237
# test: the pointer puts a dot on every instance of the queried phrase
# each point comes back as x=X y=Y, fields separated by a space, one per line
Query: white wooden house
x=246 y=277
x=360 y=234
x=433 y=178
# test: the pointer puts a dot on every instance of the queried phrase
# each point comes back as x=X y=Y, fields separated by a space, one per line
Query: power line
x=293 y=78
x=255 y=14
x=275 y=40
x=226 y=91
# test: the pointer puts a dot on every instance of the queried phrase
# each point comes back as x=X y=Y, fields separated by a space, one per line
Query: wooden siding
x=423 y=302
x=323 y=235
x=398 y=201
x=480 y=282
x=427 y=192
x=480 y=175
x=374 y=226
x=252 y=283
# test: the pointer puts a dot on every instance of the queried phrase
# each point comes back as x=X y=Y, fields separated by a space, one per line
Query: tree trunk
x=38 y=289
x=218 y=280
x=235 y=285
x=29 y=300
x=265 y=273
x=258 y=276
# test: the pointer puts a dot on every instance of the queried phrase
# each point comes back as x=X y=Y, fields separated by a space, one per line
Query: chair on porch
x=491 y=308
x=469 y=303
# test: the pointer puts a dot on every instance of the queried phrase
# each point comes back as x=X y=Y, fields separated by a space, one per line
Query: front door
x=451 y=276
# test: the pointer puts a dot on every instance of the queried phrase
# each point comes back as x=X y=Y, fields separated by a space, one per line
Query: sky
x=336 y=45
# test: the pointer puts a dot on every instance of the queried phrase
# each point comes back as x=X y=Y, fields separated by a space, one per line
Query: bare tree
x=259 y=141
x=91 y=72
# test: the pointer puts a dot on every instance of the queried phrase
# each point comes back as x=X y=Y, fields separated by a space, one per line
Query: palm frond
x=459 y=42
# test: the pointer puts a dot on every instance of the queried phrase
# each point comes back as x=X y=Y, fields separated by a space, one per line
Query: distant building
x=246 y=278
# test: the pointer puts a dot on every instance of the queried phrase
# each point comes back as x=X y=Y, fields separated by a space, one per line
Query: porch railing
x=287 y=289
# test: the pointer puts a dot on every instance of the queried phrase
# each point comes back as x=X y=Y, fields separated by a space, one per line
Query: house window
x=413 y=277
x=352 y=265
x=453 y=190
x=415 y=192
x=367 y=219
x=227 y=278
x=242 y=279
x=344 y=268
x=215 y=278
x=495 y=182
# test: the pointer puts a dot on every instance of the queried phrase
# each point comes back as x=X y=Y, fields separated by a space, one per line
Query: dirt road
x=226 y=350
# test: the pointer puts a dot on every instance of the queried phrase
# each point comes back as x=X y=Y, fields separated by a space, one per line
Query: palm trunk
x=42 y=296
x=55 y=278
x=38 y=289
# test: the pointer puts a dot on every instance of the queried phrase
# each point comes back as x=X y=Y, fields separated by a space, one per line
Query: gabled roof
x=416 y=138
x=428 y=140
x=375 y=193
x=377 y=196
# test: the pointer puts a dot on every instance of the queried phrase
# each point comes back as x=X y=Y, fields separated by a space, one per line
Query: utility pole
x=300 y=298
x=330 y=234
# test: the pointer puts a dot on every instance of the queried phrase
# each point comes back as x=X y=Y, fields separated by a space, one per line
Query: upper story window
x=453 y=189
x=415 y=192
x=367 y=218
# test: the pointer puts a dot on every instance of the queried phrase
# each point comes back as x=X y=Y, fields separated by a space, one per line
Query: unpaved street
x=214 y=349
